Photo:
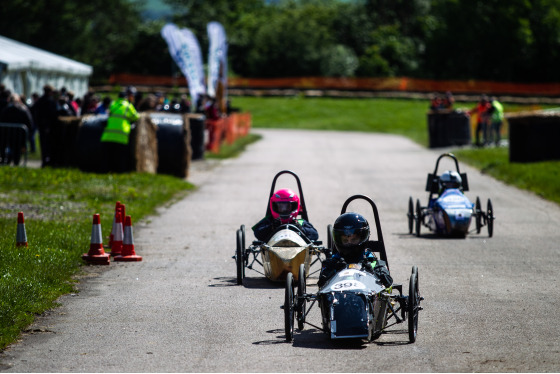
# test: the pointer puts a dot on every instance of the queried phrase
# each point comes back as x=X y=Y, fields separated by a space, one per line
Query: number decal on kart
x=345 y=285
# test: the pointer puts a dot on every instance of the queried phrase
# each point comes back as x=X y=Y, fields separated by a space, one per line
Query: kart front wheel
x=242 y=228
x=490 y=218
x=418 y=217
x=413 y=305
x=478 y=215
x=410 y=215
x=240 y=258
x=289 y=308
x=301 y=302
x=330 y=246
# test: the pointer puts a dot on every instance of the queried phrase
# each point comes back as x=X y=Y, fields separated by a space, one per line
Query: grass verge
x=542 y=178
x=58 y=205
x=403 y=117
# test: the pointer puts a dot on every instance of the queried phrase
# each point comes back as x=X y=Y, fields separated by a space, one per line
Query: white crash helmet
x=450 y=179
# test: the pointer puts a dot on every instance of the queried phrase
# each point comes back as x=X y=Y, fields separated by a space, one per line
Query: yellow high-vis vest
x=121 y=115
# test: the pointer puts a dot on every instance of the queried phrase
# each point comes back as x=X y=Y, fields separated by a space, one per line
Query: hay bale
x=144 y=147
x=534 y=136
x=174 y=143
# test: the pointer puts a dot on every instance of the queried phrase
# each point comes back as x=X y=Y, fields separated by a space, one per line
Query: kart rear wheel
x=418 y=217
x=478 y=215
x=289 y=308
x=413 y=305
x=410 y=215
x=490 y=218
x=301 y=302
x=239 y=257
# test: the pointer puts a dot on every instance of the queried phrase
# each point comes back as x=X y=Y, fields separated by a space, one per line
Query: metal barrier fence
x=13 y=143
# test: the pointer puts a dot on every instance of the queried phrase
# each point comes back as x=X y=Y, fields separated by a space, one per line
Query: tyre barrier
x=534 y=136
x=448 y=128
x=197 y=125
x=174 y=143
x=143 y=147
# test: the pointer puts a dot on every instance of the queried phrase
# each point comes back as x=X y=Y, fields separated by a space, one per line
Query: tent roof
x=18 y=56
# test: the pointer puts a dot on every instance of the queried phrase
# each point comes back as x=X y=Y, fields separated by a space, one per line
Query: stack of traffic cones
x=96 y=254
x=128 y=253
x=117 y=207
x=21 y=235
x=116 y=246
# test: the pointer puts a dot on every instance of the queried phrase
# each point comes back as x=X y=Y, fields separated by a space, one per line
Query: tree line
x=512 y=41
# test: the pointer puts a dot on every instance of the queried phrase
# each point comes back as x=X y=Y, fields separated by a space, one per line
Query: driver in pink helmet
x=284 y=209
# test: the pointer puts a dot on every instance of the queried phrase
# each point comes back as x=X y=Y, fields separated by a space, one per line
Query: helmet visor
x=284 y=207
x=349 y=237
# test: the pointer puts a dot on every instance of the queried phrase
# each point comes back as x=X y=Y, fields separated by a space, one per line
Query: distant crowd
x=40 y=112
x=489 y=112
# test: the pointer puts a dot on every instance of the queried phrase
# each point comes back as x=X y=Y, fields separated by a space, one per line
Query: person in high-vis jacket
x=116 y=135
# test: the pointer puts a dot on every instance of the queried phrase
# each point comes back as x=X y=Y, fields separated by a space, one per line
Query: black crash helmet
x=350 y=231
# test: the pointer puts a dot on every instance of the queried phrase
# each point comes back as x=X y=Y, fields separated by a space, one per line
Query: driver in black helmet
x=350 y=235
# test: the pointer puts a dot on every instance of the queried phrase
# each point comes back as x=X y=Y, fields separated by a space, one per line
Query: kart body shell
x=350 y=302
x=284 y=253
x=451 y=213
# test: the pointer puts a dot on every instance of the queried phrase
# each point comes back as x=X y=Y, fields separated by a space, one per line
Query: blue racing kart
x=354 y=303
x=449 y=212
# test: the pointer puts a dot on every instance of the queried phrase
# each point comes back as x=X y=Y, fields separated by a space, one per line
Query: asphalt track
x=491 y=305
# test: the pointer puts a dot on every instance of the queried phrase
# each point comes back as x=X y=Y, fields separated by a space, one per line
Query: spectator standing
x=103 y=108
x=496 y=112
x=45 y=115
x=481 y=110
x=32 y=147
x=116 y=135
x=448 y=101
x=17 y=112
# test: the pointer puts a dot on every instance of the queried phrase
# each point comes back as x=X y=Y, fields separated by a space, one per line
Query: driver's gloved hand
x=341 y=264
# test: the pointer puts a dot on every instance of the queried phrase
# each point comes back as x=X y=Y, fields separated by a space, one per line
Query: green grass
x=398 y=116
x=58 y=206
x=543 y=178
x=404 y=117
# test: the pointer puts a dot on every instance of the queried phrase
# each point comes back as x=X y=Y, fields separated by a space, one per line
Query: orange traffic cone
x=21 y=235
x=117 y=206
x=116 y=247
x=128 y=253
x=96 y=254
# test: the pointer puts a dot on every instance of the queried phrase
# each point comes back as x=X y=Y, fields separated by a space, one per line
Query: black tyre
x=410 y=215
x=289 y=308
x=242 y=228
x=301 y=302
x=239 y=257
x=330 y=245
x=418 y=217
x=413 y=305
x=478 y=215
x=490 y=218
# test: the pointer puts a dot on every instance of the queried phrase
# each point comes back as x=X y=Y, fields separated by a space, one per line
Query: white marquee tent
x=25 y=69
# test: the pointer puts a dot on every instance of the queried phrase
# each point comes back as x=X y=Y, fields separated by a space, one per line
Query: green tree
x=95 y=33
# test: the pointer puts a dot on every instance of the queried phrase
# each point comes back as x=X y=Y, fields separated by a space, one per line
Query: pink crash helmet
x=284 y=205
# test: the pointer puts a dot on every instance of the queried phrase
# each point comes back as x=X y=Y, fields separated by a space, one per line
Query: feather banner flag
x=185 y=51
x=217 y=58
